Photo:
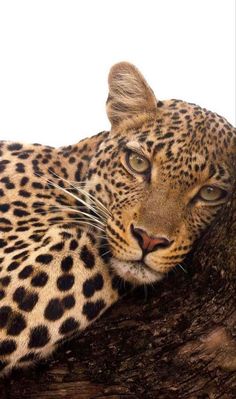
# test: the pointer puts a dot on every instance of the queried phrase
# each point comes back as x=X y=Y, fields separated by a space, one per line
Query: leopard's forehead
x=189 y=125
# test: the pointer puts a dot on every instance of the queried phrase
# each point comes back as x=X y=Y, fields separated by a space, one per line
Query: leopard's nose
x=149 y=243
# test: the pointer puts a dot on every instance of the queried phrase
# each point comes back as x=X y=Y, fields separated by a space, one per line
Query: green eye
x=137 y=162
x=211 y=193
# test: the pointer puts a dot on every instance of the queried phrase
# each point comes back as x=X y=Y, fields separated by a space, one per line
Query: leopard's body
x=66 y=215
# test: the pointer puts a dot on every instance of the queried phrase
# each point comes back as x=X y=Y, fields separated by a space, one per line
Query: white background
x=55 y=57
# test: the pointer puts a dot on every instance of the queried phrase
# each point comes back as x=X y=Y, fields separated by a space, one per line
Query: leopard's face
x=163 y=175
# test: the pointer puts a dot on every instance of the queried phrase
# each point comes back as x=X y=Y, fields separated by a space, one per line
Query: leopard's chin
x=135 y=272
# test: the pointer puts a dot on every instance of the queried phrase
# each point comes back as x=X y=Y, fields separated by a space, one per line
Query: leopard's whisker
x=76 y=222
x=89 y=216
x=97 y=209
x=71 y=195
x=95 y=201
x=71 y=219
x=104 y=211
x=64 y=208
x=77 y=185
x=106 y=253
x=85 y=193
x=104 y=245
x=181 y=267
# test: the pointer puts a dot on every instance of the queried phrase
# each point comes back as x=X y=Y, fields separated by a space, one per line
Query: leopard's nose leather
x=149 y=243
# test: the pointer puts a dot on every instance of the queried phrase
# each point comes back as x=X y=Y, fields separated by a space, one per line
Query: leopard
x=83 y=223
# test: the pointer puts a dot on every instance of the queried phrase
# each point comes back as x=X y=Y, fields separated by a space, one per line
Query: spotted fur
x=66 y=214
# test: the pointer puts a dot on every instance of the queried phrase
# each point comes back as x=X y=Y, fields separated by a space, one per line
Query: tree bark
x=177 y=340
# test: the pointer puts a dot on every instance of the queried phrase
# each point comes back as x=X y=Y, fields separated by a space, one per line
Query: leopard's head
x=164 y=171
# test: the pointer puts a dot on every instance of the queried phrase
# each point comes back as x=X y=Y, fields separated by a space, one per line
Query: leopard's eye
x=137 y=162
x=212 y=193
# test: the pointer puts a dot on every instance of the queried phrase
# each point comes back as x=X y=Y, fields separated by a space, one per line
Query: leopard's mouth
x=136 y=272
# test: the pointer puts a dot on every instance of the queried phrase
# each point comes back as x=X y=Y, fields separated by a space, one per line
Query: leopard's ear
x=129 y=94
